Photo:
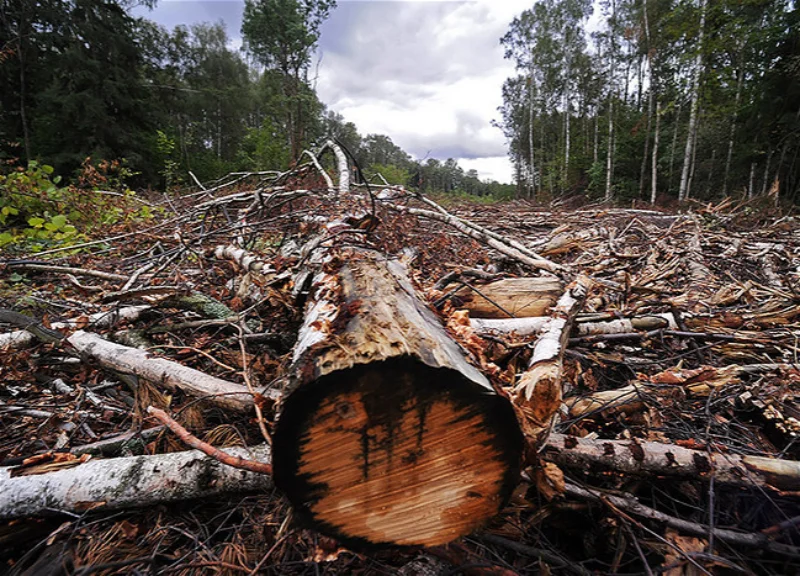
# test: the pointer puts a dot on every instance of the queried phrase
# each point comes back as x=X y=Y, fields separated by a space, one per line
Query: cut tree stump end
x=396 y=453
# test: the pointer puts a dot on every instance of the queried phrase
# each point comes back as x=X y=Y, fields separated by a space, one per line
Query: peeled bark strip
x=648 y=458
x=160 y=371
x=133 y=482
x=538 y=392
x=387 y=435
x=522 y=297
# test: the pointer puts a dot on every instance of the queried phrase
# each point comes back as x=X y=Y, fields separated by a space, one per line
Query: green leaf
x=51 y=227
x=57 y=179
x=59 y=221
x=36 y=222
x=47 y=169
x=14 y=277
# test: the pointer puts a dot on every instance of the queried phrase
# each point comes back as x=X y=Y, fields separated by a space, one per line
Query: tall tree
x=282 y=34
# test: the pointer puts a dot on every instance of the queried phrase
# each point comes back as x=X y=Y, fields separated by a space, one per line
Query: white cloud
x=427 y=74
x=492 y=168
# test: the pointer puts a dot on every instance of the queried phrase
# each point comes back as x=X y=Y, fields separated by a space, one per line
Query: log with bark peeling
x=22 y=338
x=538 y=391
x=132 y=482
x=387 y=435
x=517 y=297
x=634 y=457
x=534 y=325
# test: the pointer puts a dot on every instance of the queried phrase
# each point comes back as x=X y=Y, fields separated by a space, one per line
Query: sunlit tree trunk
x=683 y=192
x=610 y=154
x=532 y=167
x=566 y=129
x=654 y=167
x=651 y=91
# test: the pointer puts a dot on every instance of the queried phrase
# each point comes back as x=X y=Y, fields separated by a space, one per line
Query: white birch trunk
x=610 y=154
x=674 y=145
x=135 y=482
x=654 y=168
x=683 y=191
x=532 y=169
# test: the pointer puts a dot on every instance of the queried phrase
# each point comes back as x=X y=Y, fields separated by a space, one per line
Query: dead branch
x=132 y=482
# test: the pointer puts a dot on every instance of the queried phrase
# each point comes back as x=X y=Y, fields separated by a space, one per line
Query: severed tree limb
x=319 y=168
x=247 y=260
x=699 y=383
x=481 y=230
x=341 y=162
x=161 y=371
x=649 y=458
x=633 y=506
x=534 y=325
x=538 y=392
x=503 y=247
x=42 y=267
x=26 y=337
x=133 y=482
x=194 y=442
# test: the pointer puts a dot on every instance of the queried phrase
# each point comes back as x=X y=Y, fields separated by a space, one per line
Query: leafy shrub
x=36 y=213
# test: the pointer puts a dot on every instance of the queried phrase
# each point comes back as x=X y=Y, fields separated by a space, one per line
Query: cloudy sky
x=426 y=73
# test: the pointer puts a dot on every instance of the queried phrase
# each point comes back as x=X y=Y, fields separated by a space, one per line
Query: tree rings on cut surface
x=396 y=453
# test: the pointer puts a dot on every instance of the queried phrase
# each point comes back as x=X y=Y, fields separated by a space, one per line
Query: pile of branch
x=397 y=369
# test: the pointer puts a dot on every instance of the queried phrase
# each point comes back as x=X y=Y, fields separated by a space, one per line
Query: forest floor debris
x=686 y=347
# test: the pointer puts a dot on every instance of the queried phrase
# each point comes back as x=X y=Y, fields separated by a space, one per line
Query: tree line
x=85 y=78
x=664 y=99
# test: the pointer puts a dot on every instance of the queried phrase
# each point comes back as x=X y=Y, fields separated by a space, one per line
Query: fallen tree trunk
x=510 y=297
x=648 y=458
x=161 y=371
x=534 y=325
x=133 y=482
x=387 y=435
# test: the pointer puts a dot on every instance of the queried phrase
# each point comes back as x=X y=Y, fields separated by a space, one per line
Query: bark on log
x=538 y=392
x=161 y=371
x=648 y=458
x=534 y=325
x=133 y=482
x=387 y=435
x=520 y=297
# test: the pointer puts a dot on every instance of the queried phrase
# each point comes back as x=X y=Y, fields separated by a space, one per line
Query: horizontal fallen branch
x=633 y=457
x=633 y=506
x=133 y=482
x=23 y=338
x=161 y=371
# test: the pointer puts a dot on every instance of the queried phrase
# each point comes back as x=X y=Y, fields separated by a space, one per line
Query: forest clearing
x=596 y=390
x=399 y=288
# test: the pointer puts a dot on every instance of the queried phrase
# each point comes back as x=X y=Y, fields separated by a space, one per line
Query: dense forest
x=86 y=79
x=657 y=99
x=652 y=100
